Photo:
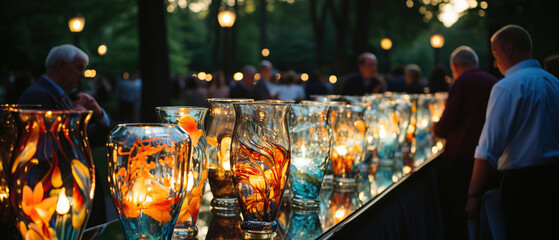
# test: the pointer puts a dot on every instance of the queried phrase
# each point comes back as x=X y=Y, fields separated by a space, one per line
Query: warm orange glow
x=102 y=49
x=76 y=23
x=202 y=75
x=238 y=76
x=304 y=77
x=386 y=44
x=437 y=40
x=333 y=79
x=226 y=18
x=265 y=52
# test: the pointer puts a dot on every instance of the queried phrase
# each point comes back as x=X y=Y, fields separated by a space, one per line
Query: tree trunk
x=263 y=39
x=319 y=24
x=154 y=57
x=362 y=23
x=341 y=22
x=214 y=25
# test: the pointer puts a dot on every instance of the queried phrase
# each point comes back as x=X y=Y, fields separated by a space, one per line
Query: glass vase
x=260 y=159
x=310 y=135
x=304 y=225
x=220 y=129
x=8 y=137
x=346 y=152
x=190 y=119
x=224 y=225
x=147 y=174
x=52 y=177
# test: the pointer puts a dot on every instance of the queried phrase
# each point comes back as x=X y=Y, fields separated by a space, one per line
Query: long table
x=407 y=209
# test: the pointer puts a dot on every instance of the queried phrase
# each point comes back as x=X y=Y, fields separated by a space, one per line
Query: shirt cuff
x=485 y=155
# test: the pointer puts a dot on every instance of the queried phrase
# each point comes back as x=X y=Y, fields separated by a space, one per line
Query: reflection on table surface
x=337 y=203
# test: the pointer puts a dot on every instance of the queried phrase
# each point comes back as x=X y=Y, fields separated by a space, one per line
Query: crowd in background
x=260 y=82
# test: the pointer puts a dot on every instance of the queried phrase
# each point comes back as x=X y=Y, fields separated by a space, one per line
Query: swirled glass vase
x=52 y=177
x=260 y=161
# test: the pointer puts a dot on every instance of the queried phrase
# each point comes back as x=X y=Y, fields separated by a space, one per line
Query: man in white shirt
x=521 y=139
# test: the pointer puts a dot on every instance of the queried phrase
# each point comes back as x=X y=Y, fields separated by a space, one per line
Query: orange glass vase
x=52 y=177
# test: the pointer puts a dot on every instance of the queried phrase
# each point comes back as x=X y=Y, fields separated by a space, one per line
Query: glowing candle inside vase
x=63 y=205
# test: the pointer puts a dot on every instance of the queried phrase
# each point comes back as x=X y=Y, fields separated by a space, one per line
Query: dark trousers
x=530 y=200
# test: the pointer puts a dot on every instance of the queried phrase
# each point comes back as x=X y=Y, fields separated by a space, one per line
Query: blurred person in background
x=461 y=124
x=129 y=95
x=413 y=79
x=195 y=94
x=366 y=80
x=242 y=88
x=289 y=89
x=264 y=88
x=437 y=80
x=315 y=86
x=396 y=82
x=218 y=88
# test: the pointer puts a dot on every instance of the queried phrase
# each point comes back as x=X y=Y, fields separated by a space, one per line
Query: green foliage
x=31 y=28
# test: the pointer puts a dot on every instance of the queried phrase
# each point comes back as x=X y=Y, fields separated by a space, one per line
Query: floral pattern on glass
x=52 y=174
x=147 y=167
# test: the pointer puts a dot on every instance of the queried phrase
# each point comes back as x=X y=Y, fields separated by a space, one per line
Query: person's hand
x=473 y=206
x=88 y=102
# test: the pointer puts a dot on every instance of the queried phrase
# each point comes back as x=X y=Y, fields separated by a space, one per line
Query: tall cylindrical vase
x=147 y=168
x=52 y=174
x=260 y=160
x=190 y=119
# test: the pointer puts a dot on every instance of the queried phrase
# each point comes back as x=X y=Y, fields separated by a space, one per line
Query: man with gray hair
x=65 y=66
x=461 y=124
x=521 y=139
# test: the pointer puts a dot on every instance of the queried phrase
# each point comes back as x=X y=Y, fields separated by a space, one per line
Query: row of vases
x=157 y=172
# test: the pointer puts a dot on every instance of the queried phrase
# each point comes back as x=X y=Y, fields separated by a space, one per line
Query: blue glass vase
x=311 y=137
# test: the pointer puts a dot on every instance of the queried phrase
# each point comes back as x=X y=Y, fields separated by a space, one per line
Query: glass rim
x=143 y=125
x=229 y=100
x=52 y=111
x=180 y=107
x=18 y=106
x=270 y=104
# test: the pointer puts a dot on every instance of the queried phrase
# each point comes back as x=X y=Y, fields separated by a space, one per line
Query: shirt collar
x=58 y=88
x=523 y=64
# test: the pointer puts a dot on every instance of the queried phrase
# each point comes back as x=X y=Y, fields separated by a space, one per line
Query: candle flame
x=190 y=182
x=340 y=213
x=342 y=150
x=382 y=132
x=63 y=205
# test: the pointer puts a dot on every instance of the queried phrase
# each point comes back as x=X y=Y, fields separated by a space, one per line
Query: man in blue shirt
x=521 y=139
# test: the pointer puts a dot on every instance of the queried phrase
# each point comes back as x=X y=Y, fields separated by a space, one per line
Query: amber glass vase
x=52 y=177
x=260 y=160
x=190 y=119
x=220 y=129
x=346 y=152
